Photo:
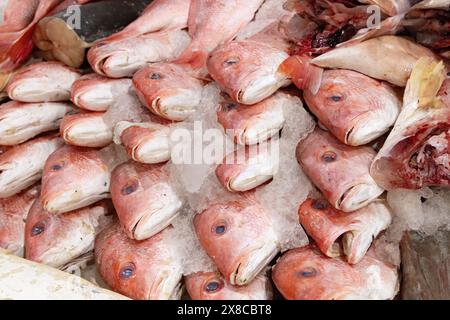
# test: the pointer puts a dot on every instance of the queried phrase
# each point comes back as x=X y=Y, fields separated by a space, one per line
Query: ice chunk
x=125 y=107
x=436 y=211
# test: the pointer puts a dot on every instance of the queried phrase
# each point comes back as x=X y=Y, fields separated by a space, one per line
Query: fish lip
x=171 y=111
x=35 y=96
x=140 y=154
x=56 y=206
x=364 y=193
x=246 y=180
x=361 y=134
x=85 y=138
x=246 y=270
x=167 y=287
x=261 y=88
x=16 y=185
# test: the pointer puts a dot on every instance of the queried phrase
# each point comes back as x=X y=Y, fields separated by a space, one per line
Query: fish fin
x=18 y=52
x=424 y=83
x=304 y=74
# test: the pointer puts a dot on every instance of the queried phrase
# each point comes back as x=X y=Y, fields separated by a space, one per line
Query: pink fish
x=13 y=214
x=306 y=274
x=96 y=93
x=58 y=239
x=326 y=225
x=144 y=198
x=145 y=142
x=143 y=270
x=42 y=81
x=212 y=286
x=239 y=237
x=73 y=178
x=355 y=108
x=21 y=166
x=341 y=172
x=20 y=121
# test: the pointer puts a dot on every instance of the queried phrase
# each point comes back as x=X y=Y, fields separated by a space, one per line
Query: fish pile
x=324 y=115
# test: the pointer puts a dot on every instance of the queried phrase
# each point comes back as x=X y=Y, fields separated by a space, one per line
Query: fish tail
x=424 y=83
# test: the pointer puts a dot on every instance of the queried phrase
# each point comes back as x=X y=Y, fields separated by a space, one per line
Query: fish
x=391 y=7
x=96 y=93
x=42 y=82
x=212 y=286
x=212 y=23
x=123 y=58
x=425 y=260
x=21 y=166
x=86 y=129
x=355 y=108
x=58 y=239
x=415 y=154
x=340 y=171
x=306 y=274
x=73 y=178
x=18 y=281
x=249 y=70
x=238 y=235
x=388 y=58
x=13 y=214
x=145 y=142
x=168 y=91
x=141 y=270
x=338 y=233
x=245 y=169
x=145 y=200
x=16 y=15
x=249 y=125
x=21 y=121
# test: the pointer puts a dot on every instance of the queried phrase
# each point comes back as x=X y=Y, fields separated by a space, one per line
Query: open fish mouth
x=262 y=87
x=71 y=200
x=358 y=196
x=249 y=266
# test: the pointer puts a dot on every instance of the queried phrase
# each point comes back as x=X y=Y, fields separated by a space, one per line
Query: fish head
x=74 y=177
x=239 y=237
x=144 y=270
x=248 y=70
x=212 y=286
x=144 y=199
x=168 y=90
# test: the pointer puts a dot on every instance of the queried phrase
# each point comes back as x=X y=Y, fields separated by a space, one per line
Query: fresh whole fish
x=239 y=237
x=73 y=178
x=389 y=58
x=306 y=274
x=42 y=81
x=168 y=91
x=145 y=142
x=244 y=170
x=254 y=124
x=144 y=198
x=143 y=270
x=355 y=108
x=341 y=172
x=86 y=129
x=57 y=239
x=212 y=286
x=22 y=165
x=326 y=225
x=415 y=154
x=13 y=214
x=96 y=93
x=123 y=58
x=20 y=121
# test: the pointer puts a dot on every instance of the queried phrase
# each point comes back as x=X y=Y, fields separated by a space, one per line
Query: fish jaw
x=86 y=130
x=73 y=178
x=43 y=81
x=248 y=70
x=20 y=122
x=168 y=91
x=199 y=287
x=356 y=230
x=325 y=159
x=17 y=172
x=238 y=259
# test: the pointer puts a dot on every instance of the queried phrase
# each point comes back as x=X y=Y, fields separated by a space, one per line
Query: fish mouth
x=12 y=248
x=155 y=150
x=88 y=133
x=71 y=200
x=97 y=98
x=176 y=107
x=358 y=196
x=248 y=267
x=253 y=176
x=10 y=183
x=261 y=129
x=261 y=88
x=122 y=64
x=32 y=91
x=367 y=129
x=169 y=286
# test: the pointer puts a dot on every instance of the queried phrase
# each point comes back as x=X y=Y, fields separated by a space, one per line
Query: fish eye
x=127 y=271
x=335 y=98
x=231 y=61
x=57 y=167
x=319 y=204
x=37 y=229
x=230 y=106
x=130 y=188
x=213 y=286
x=155 y=76
x=307 y=272
x=220 y=228
x=329 y=156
